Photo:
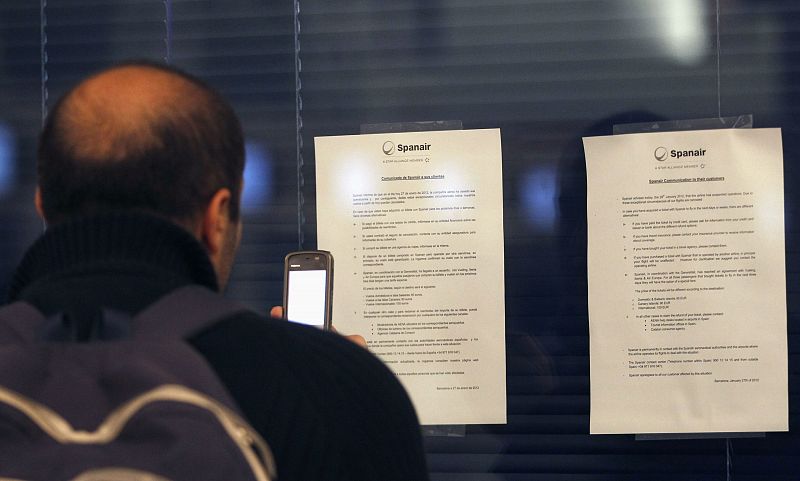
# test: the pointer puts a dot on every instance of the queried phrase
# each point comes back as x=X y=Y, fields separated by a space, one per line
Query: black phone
x=308 y=288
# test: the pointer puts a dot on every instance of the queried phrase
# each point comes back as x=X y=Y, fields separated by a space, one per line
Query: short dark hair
x=172 y=168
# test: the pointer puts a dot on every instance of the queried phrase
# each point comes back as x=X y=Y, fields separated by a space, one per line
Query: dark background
x=545 y=72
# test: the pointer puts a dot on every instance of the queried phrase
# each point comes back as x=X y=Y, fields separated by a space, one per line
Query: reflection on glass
x=680 y=29
x=8 y=154
x=684 y=30
x=538 y=197
x=258 y=176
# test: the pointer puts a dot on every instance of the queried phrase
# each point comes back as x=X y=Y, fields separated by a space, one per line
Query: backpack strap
x=176 y=317
x=19 y=322
x=182 y=313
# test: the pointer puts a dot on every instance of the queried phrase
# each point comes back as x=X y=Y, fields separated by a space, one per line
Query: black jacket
x=328 y=408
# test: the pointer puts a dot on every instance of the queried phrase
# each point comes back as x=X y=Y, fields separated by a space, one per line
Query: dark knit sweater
x=328 y=408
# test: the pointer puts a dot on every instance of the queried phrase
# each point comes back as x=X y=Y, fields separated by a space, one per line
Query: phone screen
x=305 y=300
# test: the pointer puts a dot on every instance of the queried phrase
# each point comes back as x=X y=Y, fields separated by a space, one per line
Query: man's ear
x=37 y=201
x=216 y=222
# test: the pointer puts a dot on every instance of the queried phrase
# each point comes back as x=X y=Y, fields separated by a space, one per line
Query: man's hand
x=277 y=313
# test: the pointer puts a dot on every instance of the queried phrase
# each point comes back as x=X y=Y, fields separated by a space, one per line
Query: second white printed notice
x=415 y=224
x=687 y=284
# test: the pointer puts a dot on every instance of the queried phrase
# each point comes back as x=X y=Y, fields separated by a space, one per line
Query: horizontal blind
x=245 y=48
x=20 y=122
x=548 y=73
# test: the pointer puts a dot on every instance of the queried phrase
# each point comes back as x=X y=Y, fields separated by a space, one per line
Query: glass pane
x=20 y=121
x=245 y=48
x=548 y=73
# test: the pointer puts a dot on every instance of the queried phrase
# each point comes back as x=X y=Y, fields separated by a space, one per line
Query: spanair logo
x=661 y=154
x=389 y=148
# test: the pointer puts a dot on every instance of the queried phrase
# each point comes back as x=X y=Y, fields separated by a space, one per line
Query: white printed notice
x=415 y=225
x=687 y=284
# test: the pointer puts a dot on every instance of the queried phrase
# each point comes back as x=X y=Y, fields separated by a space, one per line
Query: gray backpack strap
x=182 y=313
x=18 y=323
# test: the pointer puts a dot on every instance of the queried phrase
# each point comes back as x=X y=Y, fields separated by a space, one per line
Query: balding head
x=139 y=137
x=117 y=113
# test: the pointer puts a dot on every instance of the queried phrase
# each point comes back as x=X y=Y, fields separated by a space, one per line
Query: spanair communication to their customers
x=415 y=222
x=687 y=286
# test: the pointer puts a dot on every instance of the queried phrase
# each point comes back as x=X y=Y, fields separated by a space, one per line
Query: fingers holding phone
x=277 y=313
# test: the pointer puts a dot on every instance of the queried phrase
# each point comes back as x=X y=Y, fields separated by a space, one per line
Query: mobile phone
x=308 y=288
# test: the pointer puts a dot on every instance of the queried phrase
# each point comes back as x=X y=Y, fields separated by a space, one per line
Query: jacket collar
x=121 y=241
